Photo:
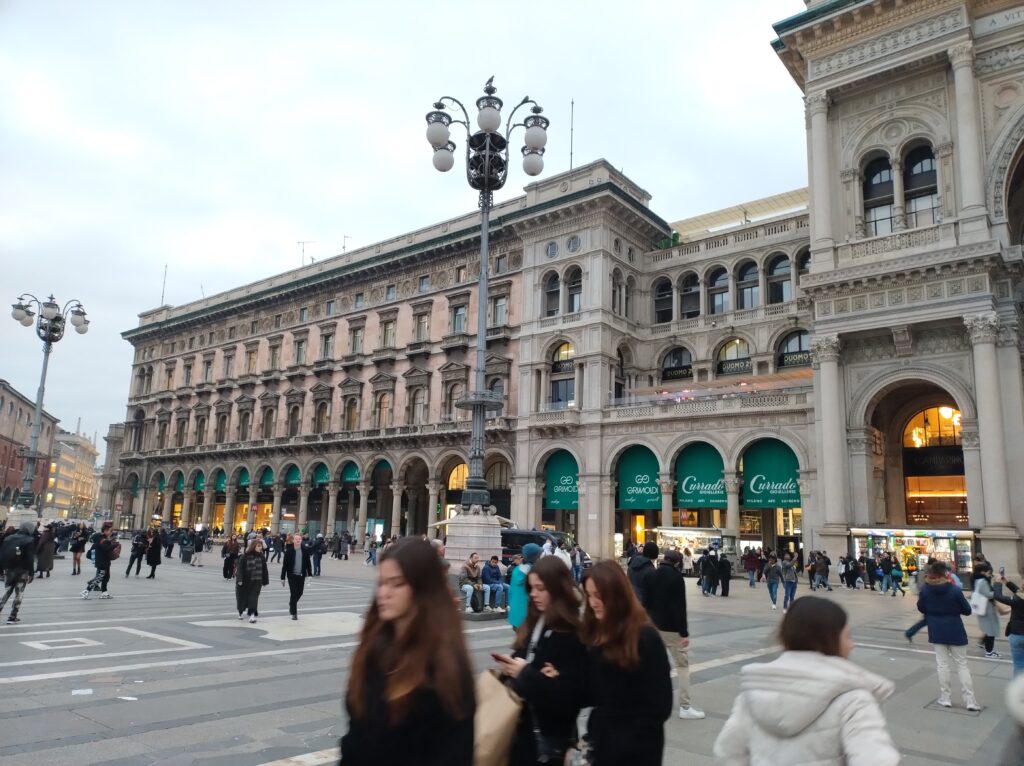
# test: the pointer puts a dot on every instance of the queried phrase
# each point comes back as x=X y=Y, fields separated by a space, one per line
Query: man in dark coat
x=724 y=574
x=296 y=568
x=642 y=566
x=104 y=554
x=665 y=602
x=17 y=558
x=709 y=569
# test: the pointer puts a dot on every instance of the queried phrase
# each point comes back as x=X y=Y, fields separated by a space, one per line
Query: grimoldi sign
x=638 y=480
x=561 y=487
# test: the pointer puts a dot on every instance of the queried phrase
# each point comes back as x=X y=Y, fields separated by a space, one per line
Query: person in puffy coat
x=811 y=705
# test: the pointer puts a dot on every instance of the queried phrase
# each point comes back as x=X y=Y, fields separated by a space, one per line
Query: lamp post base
x=472 y=533
x=18 y=516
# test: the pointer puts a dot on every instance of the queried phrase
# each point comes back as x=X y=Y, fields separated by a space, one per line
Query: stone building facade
x=16 y=411
x=833 y=367
x=71 y=485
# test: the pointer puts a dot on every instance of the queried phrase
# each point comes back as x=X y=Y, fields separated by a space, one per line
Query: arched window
x=322 y=420
x=746 y=286
x=718 y=292
x=497 y=476
x=620 y=377
x=222 y=429
x=455 y=392
x=574 y=284
x=552 y=295
x=417 y=412
x=878 y=197
x=352 y=414
x=662 y=301
x=294 y=420
x=689 y=298
x=161 y=435
x=617 y=292
x=920 y=188
x=563 y=377
x=677 y=365
x=935 y=488
x=780 y=285
x=200 y=431
x=457 y=478
x=382 y=412
x=795 y=350
x=627 y=301
x=497 y=386
x=244 y=426
x=180 y=430
x=734 y=357
x=267 y=427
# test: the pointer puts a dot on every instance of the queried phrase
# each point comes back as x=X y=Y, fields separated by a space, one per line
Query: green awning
x=321 y=475
x=770 y=476
x=638 y=480
x=699 y=482
x=293 y=476
x=179 y=485
x=220 y=481
x=561 y=482
x=350 y=473
x=160 y=482
x=200 y=483
x=267 y=478
x=243 y=478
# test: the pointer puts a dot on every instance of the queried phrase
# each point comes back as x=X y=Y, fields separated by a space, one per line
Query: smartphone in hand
x=500 y=657
x=1002 y=571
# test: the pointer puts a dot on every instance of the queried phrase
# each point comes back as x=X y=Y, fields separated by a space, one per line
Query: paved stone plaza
x=164 y=673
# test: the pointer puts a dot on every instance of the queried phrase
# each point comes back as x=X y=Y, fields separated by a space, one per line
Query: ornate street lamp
x=50 y=321
x=487 y=159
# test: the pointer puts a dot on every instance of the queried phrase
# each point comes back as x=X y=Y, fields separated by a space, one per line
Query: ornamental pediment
x=295 y=395
x=416 y=375
x=223 y=406
x=383 y=382
x=453 y=371
x=201 y=408
x=351 y=386
x=497 y=365
x=245 y=403
x=269 y=397
x=321 y=391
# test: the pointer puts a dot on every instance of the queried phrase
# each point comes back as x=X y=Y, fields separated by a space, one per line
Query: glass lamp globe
x=533 y=164
x=83 y=328
x=489 y=119
x=27 y=319
x=444 y=160
x=536 y=137
x=50 y=310
x=18 y=311
x=78 y=317
x=438 y=134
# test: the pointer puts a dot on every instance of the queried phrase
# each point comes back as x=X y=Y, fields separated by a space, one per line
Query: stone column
x=826 y=351
x=899 y=207
x=577 y=386
x=275 y=513
x=229 y=510
x=332 y=507
x=668 y=488
x=364 y=509
x=303 y=506
x=545 y=388
x=971 y=444
x=186 y=507
x=703 y=297
x=817 y=105
x=968 y=143
x=168 y=505
x=731 y=480
x=397 y=490
x=207 y=507
x=432 y=509
x=984 y=330
x=350 y=511
x=250 y=511
x=606 y=523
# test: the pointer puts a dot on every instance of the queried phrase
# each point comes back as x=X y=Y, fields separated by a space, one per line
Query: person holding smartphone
x=1015 y=627
x=547 y=666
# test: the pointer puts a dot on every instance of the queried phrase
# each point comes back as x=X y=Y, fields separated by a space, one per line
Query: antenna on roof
x=572 y=127
x=302 y=243
x=163 y=288
x=344 y=242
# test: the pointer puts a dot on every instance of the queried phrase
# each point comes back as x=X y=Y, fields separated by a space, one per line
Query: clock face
x=551 y=250
x=574 y=243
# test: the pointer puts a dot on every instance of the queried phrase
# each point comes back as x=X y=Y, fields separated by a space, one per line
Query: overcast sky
x=213 y=136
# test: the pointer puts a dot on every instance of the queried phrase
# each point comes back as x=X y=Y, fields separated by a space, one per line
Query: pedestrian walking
x=897 y=578
x=154 y=551
x=251 y=575
x=789 y=580
x=984 y=607
x=200 y=547
x=77 y=546
x=943 y=605
x=168 y=541
x=724 y=574
x=319 y=548
x=709 y=571
x=17 y=559
x=641 y=567
x=749 y=560
x=106 y=550
x=517 y=594
x=821 y=565
x=278 y=543
x=577 y=563
x=410 y=696
x=137 y=553
x=46 y=547
x=547 y=666
x=230 y=552
x=296 y=568
x=773 y=578
x=665 y=602
x=687 y=562
x=811 y=705
x=1015 y=627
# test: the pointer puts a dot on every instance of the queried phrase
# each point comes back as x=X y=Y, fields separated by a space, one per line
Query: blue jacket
x=944 y=606
x=517 y=596
x=491 y=574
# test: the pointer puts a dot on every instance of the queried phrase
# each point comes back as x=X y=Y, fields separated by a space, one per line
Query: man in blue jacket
x=943 y=605
x=495 y=578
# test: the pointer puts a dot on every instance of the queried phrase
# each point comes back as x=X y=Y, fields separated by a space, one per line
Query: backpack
x=115 y=551
x=12 y=553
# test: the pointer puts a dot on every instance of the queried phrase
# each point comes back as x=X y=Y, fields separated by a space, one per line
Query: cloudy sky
x=213 y=136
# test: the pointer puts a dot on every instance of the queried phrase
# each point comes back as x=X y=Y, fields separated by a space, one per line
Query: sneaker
x=972 y=704
x=944 y=701
x=488 y=609
x=13 y=618
x=105 y=595
x=774 y=607
x=992 y=655
x=690 y=713
x=85 y=594
x=252 y=619
x=241 y=616
x=295 y=616
x=469 y=610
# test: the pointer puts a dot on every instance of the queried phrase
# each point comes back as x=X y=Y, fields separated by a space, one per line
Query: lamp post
x=50 y=321
x=486 y=170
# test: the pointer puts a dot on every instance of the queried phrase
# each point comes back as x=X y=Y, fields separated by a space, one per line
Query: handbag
x=979 y=604
x=494 y=724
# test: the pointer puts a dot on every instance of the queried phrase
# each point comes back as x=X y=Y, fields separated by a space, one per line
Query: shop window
x=689 y=289
x=747 y=290
x=933 y=469
x=677 y=365
x=734 y=357
x=662 y=301
x=795 y=350
x=878 y=199
x=780 y=286
x=718 y=292
x=920 y=188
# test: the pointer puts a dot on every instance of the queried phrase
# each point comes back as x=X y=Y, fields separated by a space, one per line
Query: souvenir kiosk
x=914 y=547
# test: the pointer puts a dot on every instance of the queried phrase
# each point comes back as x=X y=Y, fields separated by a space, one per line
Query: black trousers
x=136 y=559
x=296 y=584
x=724 y=582
x=247 y=598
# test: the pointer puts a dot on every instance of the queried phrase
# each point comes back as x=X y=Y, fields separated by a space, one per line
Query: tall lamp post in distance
x=50 y=322
x=486 y=170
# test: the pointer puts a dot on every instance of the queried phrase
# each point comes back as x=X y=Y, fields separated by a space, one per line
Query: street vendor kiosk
x=914 y=547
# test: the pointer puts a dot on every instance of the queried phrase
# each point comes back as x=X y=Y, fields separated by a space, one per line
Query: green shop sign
x=770 y=476
x=267 y=478
x=350 y=473
x=699 y=482
x=561 y=482
x=638 y=480
x=321 y=475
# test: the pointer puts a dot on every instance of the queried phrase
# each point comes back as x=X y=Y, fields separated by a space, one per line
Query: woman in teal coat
x=517 y=595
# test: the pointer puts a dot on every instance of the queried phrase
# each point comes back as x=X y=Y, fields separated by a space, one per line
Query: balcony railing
x=734 y=366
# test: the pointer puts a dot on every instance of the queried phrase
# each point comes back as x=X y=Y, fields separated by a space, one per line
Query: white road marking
x=728 y=660
x=54 y=643
x=330 y=755
x=888 y=648
x=194 y=660
x=180 y=645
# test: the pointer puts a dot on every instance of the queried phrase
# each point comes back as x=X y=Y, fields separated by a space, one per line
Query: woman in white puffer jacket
x=811 y=706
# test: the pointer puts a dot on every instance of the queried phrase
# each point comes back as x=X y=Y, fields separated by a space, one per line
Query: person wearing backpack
x=106 y=551
x=138 y=553
x=17 y=558
x=319 y=549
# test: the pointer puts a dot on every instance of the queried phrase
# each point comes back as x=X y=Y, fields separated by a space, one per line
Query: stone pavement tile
x=55 y=725
x=124 y=751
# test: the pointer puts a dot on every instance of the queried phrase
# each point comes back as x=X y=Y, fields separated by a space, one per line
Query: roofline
x=809 y=16
x=341 y=270
x=27 y=400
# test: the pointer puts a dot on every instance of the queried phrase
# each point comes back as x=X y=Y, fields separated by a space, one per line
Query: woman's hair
x=563 y=613
x=252 y=546
x=813 y=624
x=429 y=654
x=937 y=568
x=617 y=635
x=983 y=568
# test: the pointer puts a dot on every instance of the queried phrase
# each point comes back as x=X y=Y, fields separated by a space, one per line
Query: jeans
x=316 y=564
x=468 y=591
x=789 y=594
x=576 y=572
x=1017 y=653
x=773 y=591
x=886 y=583
x=99 y=582
x=752 y=576
x=821 y=581
x=499 y=593
x=945 y=657
x=15 y=583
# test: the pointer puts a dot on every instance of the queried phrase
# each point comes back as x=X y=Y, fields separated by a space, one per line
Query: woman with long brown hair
x=547 y=665
x=410 y=695
x=251 y=574
x=628 y=679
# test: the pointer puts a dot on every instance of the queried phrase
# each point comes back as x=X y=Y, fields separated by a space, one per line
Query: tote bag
x=494 y=725
x=979 y=604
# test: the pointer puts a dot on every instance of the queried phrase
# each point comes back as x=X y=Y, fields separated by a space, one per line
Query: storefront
x=696 y=539
x=770 y=513
x=914 y=547
x=561 y=492
x=638 y=500
x=700 y=487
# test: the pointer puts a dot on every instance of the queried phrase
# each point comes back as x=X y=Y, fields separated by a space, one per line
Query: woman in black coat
x=548 y=665
x=154 y=549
